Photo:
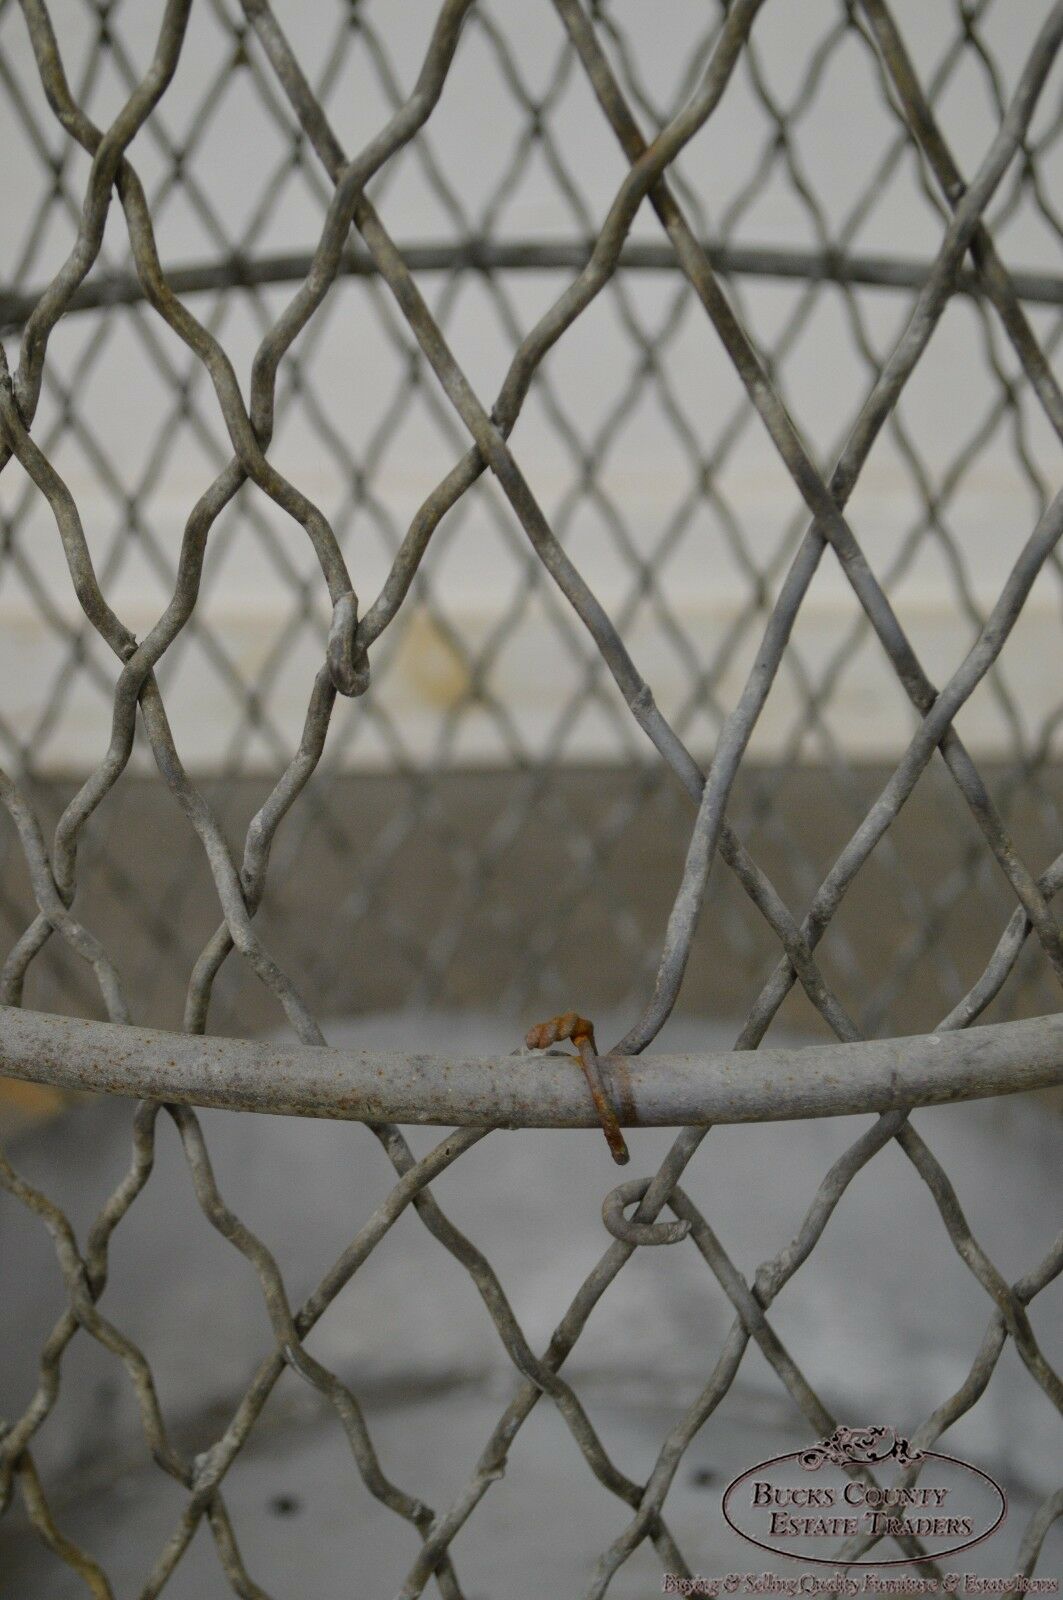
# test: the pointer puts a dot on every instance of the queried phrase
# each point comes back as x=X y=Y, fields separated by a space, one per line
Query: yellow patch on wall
x=429 y=664
x=22 y=1104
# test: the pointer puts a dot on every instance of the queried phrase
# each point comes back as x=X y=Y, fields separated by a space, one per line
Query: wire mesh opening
x=544 y=506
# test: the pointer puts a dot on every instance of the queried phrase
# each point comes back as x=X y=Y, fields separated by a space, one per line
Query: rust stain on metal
x=570 y=1025
x=625 y=1094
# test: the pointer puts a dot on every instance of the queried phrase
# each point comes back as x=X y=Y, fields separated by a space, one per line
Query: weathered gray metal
x=531 y=1091
x=887 y=1077
x=533 y=255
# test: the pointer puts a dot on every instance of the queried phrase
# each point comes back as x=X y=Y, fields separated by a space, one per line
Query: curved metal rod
x=530 y=255
x=524 y=1091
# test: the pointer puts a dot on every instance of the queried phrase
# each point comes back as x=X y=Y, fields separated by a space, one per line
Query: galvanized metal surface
x=531 y=255
x=967 y=261
x=531 y=1091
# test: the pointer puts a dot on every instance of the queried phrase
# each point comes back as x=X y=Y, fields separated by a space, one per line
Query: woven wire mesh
x=114 y=200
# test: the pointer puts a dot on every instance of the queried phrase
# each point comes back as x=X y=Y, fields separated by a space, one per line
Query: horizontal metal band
x=531 y=1091
x=530 y=255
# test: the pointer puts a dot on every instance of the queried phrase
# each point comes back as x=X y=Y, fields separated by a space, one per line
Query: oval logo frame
x=824 y=1452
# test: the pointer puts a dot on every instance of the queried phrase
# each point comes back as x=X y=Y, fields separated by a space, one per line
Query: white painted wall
x=477 y=566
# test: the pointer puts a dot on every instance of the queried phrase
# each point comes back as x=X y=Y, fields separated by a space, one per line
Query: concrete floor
x=883 y=1319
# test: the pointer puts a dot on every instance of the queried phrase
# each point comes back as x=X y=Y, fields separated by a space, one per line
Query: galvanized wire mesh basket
x=633 y=433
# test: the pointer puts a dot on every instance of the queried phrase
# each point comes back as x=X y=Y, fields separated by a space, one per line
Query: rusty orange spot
x=570 y=1025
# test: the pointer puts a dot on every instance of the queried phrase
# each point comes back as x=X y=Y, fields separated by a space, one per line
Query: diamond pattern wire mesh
x=47 y=409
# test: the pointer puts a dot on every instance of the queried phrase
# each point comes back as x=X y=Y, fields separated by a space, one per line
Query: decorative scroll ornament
x=860 y=1445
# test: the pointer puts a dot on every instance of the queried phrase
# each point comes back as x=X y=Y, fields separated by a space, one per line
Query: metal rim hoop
x=524 y=1091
